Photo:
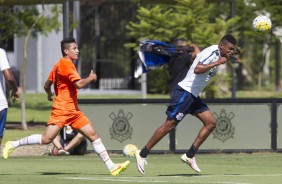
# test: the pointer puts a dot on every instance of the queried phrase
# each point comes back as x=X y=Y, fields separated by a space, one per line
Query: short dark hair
x=65 y=44
x=228 y=38
x=175 y=40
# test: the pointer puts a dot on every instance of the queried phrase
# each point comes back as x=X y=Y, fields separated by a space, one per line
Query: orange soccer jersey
x=65 y=109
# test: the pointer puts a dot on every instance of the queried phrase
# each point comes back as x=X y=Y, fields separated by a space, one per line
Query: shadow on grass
x=195 y=175
x=185 y=175
x=67 y=173
x=55 y=173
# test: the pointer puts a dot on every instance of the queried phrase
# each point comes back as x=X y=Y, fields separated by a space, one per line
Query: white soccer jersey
x=4 y=64
x=195 y=83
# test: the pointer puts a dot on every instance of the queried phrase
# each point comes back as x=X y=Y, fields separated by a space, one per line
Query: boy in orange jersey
x=65 y=111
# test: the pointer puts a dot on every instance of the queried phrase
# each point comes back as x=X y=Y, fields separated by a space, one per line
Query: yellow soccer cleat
x=119 y=168
x=8 y=149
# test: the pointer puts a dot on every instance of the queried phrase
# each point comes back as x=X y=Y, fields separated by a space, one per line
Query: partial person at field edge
x=5 y=75
x=73 y=144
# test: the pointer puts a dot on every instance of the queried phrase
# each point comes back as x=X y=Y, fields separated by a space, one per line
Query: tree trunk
x=277 y=65
x=23 y=74
x=23 y=81
x=266 y=70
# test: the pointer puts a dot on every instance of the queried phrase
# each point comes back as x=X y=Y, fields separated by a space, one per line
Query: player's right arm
x=47 y=88
x=202 y=68
x=195 y=51
x=84 y=82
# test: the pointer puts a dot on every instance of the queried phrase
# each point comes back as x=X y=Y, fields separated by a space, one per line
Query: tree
x=189 y=19
x=27 y=21
x=193 y=20
x=254 y=58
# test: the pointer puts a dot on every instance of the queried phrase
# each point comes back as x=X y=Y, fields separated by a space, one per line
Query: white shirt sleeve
x=4 y=64
x=209 y=55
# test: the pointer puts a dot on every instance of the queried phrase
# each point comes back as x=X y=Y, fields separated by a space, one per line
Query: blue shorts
x=3 y=116
x=182 y=102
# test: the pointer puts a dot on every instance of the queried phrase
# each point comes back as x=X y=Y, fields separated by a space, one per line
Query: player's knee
x=211 y=125
x=170 y=125
x=46 y=140
x=92 y=136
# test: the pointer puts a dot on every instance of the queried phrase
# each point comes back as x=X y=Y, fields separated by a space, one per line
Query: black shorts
x=182 y=102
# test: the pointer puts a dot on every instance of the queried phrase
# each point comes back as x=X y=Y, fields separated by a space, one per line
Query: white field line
x=115 y=179
x=243 y=175
x=141 y=181
x=159 y=180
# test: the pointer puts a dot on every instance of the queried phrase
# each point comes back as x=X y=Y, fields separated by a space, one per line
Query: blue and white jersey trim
x=196 y=83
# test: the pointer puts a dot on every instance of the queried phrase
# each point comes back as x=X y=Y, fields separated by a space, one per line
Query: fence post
x=172 y=143
x=274 y=125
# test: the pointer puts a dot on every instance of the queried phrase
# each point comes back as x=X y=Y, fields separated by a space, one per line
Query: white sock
x=100 y=149
x=32 y=139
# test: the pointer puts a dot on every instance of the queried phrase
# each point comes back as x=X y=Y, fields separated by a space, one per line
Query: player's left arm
x=81 y=83
x=12 y=82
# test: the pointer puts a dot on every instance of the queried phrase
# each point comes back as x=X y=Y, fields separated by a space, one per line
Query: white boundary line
x=158 y=180
x=116 y=179
x=243 y=175
x=142 y=181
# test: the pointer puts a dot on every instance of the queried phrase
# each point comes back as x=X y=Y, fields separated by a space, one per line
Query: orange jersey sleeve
x=68 y=70
x=51 y=76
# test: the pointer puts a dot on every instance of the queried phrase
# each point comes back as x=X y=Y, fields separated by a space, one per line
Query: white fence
x=113 y=83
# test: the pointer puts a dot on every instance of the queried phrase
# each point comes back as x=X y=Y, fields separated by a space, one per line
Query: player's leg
x=3 y=115
x=162 y=131
x=47 y=137
x=176 y=111
x=208 y=126
x=90 y=133
x=142 y=154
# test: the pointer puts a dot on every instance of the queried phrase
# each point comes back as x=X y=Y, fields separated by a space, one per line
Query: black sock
x=191 y=152
x=144 y=152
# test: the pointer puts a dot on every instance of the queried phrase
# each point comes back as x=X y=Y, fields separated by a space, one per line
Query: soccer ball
x=129 y=150
x=262 y=24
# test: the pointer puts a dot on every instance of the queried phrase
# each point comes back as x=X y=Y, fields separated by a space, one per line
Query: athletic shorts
x=75 y=120
x=182 y=102
x=3 y=116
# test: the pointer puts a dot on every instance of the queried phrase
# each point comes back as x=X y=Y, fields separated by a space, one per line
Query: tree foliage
x=186 y=18
x=192 y=20
x=26 y=21
x=253 y=55
x=16 y=20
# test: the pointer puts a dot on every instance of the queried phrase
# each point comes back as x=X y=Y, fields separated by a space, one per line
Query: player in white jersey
x=185 y=100
x=195 y=83
x=5 y=74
